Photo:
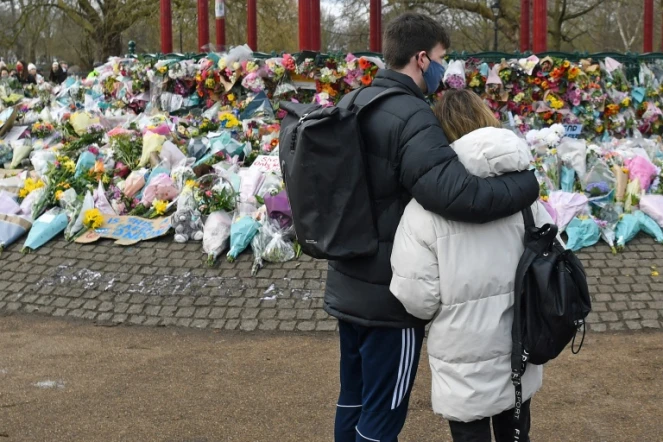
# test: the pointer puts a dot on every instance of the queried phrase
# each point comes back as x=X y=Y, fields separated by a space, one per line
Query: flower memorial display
x=194 y=141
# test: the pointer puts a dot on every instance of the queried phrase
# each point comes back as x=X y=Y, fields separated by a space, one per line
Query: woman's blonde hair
x=462 y=111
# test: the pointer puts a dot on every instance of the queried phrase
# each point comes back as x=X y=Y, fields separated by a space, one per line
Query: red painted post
x=203 y=25
x=540 y=26
x=166 y=27
x=314 y=24
x=252 y=24
x=304 y=17
x=220 y=15
x=648 y=44
x=524 y=25
x=375 y=25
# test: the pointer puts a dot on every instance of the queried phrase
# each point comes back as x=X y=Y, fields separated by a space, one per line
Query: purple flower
x=598 y=189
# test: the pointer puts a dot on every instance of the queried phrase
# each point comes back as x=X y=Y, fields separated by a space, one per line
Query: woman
x=57 y=75
x=462 y=276
x=33 y=76
x=21 y=73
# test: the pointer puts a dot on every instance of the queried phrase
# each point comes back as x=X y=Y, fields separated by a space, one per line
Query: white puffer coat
x=462 y=276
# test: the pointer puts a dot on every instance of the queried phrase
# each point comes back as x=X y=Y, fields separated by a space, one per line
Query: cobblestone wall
x=162 y=283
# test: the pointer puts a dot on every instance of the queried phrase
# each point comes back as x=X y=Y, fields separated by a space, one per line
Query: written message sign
x=127 y=230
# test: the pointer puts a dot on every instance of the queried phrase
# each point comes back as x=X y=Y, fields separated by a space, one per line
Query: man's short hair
x=410 y=33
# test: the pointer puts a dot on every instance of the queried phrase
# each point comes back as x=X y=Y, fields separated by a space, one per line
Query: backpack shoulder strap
x=384 y=94
x=392 y=91
x=353 y=96
x=528 y=216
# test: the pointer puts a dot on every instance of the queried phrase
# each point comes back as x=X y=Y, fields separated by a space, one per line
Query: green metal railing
x=630 y=60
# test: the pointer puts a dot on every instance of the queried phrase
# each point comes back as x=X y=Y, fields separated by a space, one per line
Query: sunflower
x=160 y=206
x=93 y=219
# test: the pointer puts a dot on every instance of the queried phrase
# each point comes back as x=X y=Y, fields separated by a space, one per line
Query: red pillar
x=524 y=25
x=203 y=24
x=648 y=45
x=252 y=24
x=166 y=27
x=304 y=17
x=314 y=24
x=376 y=25
x=220 y=15
x=540 y=26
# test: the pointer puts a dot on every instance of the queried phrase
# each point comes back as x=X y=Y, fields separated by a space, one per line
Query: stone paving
x=161 y=283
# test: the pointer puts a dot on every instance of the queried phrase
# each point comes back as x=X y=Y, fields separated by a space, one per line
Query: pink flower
x=350 y=57
x=118 y=131
x=121 y=170
x=93 y=150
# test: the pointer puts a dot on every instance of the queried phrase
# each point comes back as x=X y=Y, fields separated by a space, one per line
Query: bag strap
x=528 y=216
x=392 y=91
x=386 y=93
x=519 y=355
x=537 y=241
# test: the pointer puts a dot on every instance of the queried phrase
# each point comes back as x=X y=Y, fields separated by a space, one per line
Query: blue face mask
x=433 y=76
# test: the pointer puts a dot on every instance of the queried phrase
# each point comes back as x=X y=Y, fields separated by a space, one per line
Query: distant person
x=33 y=76
x=21 y=72
x=57 y=75
x=4 y=73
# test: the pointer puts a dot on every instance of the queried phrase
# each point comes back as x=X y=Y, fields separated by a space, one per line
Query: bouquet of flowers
x=213 y=194
x=242 y=231
x=271 y=244
x=454 y=76
x=42 y=130
x=126 y=146
x=216 y=235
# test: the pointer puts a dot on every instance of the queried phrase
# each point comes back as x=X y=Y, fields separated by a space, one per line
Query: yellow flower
x=230 y=120
x=191 y=183
x=519 y=97
x=222 y=64
x=626 y=102
x=69 y=165
x=251 y=66
x=599 y=129
x=625 y=170
x=475 y=82
x=58 y=195
x=160 y=206
x=93 y=219
x=209 y=83
x=544 y=198
x=231 y=97
x=105 y=179
x=566 y=63
x=23 y=193
x=553 y=151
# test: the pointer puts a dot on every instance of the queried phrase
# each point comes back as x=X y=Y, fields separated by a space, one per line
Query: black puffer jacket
x=409 y=156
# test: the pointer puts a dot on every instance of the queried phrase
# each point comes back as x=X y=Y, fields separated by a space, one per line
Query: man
x=407 y=156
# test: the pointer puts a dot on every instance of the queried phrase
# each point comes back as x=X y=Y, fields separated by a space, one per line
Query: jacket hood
x=491 y=151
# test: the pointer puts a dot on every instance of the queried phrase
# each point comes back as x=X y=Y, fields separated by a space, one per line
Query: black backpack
x=551 y=303
x=324 y=169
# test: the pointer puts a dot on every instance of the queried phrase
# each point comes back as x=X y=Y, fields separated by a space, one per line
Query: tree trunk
x=111 y=46
x=556 y=35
